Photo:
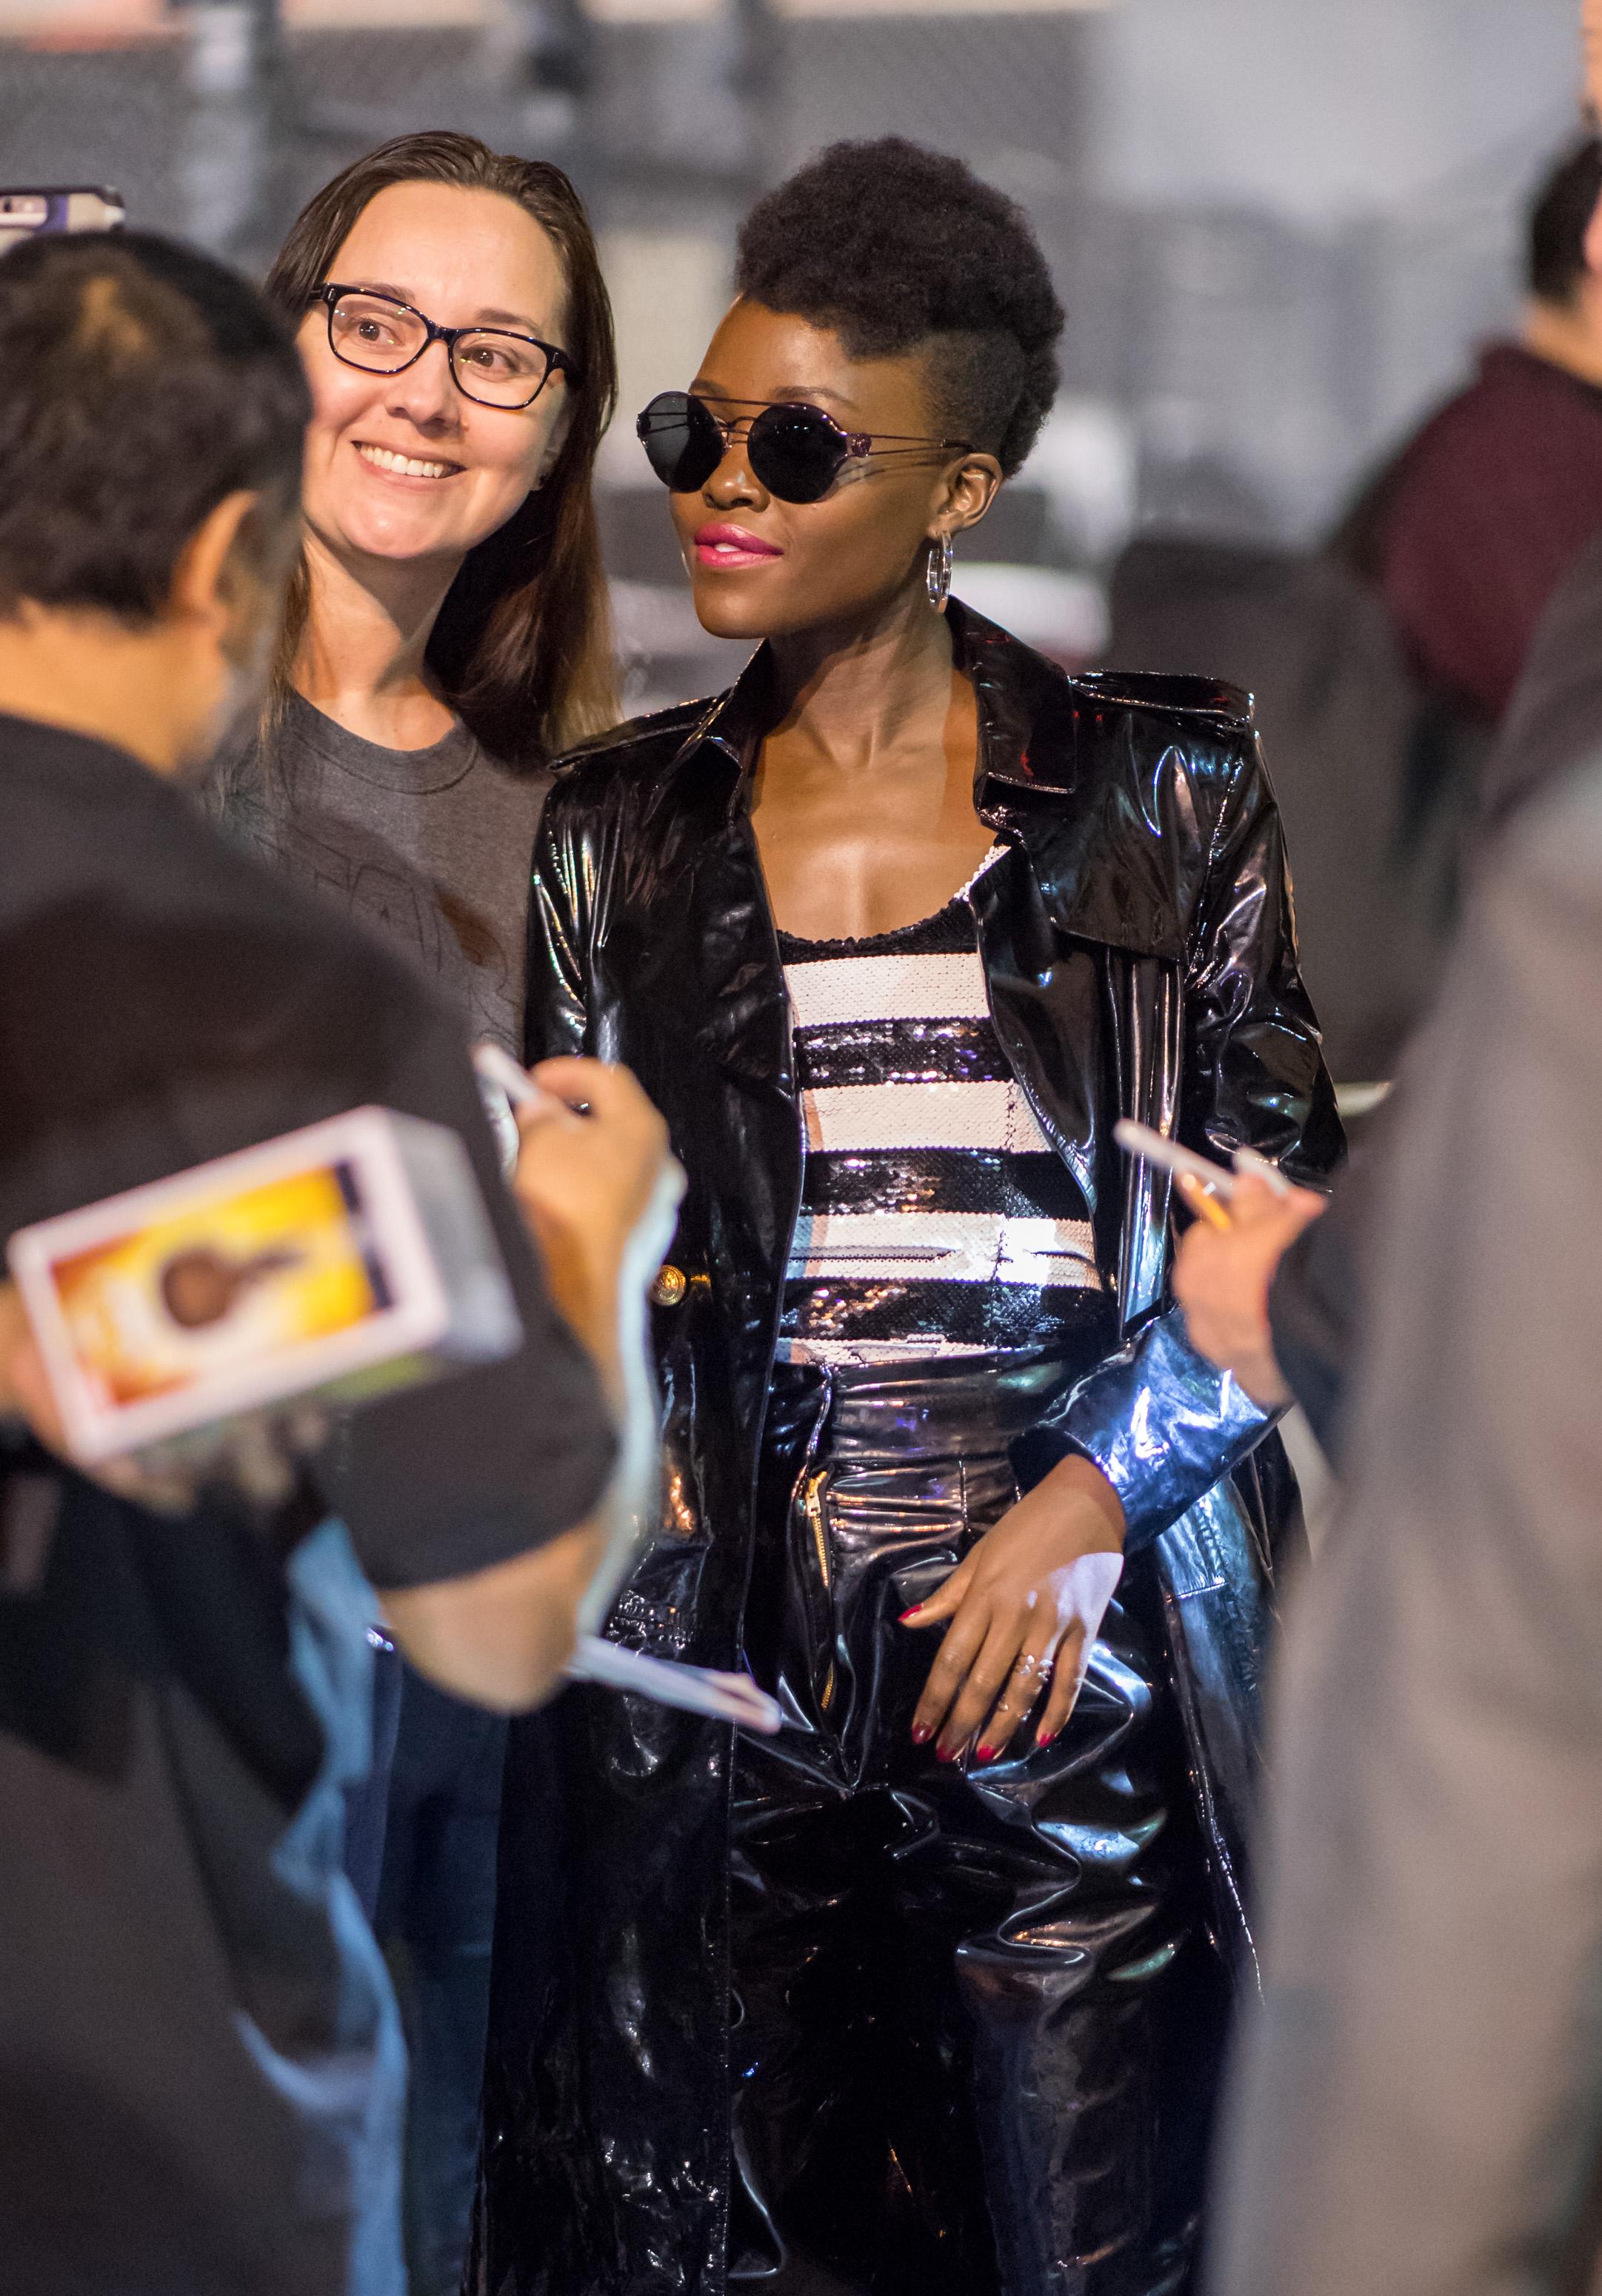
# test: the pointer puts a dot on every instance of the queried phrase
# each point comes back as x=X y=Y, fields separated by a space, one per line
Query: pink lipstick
x=733 y=546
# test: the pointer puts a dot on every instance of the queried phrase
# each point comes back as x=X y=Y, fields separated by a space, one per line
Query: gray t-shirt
x=431 y=848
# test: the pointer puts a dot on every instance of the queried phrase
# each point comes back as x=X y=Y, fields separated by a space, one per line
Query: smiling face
x=403 y=466
x=762 y=568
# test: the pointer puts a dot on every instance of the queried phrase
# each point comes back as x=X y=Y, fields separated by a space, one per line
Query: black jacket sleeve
x=1160 y=1423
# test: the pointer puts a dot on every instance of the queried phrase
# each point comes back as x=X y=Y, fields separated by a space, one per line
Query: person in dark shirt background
x=1383 y=663
x=1469 y=530
x=1280 y=1302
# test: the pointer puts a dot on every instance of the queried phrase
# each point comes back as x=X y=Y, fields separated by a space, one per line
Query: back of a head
x=896 y=248
x=141 y=383
x=1559 y=220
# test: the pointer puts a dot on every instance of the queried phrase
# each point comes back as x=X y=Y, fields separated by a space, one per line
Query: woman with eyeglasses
x=448 y=628
x=448 y=632
x=925 y=1993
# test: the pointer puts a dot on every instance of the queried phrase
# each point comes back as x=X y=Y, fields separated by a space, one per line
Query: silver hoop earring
x=937 y=573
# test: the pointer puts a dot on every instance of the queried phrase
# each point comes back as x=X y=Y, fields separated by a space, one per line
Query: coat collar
x=1107 y=868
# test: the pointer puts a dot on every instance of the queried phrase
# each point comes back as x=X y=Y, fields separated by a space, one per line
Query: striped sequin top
x=936 y=1218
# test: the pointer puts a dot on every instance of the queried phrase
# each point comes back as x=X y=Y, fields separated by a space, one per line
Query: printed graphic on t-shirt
x=371 y=882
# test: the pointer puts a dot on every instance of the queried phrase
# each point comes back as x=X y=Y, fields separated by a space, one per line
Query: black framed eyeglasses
x=796 y=452
x=490 y=364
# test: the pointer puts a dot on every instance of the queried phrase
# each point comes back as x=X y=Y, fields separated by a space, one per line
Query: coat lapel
x=721 y=937
x=1104 y=865
x=1084 y=908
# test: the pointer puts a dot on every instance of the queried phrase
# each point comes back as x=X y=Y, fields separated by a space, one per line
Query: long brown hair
x=523 y=645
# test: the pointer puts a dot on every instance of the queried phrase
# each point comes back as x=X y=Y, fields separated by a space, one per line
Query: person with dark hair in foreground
x=199 y=2063
x=926 y=1994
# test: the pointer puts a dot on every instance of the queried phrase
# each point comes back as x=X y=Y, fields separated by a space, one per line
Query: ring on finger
x=1024 y=1684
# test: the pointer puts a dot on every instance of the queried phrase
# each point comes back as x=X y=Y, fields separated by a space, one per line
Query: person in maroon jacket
x=1469 y=530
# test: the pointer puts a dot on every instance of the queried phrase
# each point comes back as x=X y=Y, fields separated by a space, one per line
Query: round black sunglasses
x=796 y=452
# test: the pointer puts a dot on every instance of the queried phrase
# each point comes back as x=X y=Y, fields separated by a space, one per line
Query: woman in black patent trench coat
x=831 y=2017
x=1128 y=979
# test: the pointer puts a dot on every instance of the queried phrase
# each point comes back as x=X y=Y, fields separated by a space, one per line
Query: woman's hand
x=1027 y=1602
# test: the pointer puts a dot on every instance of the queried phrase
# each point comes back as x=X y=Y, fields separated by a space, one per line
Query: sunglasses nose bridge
x=733 y=479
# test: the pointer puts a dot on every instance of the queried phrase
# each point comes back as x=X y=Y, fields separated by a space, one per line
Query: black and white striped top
x=936 y=1218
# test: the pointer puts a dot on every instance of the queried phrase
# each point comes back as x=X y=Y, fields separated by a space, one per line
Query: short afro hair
x=898 y=248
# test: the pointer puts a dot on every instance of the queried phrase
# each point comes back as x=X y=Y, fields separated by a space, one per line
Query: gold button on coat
x=670 y=1285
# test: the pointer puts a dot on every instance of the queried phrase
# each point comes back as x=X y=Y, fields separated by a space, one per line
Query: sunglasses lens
x=683 y=444
x=797 y=452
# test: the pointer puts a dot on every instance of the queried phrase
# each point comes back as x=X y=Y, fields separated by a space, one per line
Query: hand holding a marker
x=597 y=1184
x=1222 y=1278
x=599 y=1187
x=1246 y=1221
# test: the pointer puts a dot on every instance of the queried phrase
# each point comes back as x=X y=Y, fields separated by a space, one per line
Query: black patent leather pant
x=978 y=2019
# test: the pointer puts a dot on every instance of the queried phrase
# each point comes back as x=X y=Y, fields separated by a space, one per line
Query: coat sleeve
x=1156 y=1418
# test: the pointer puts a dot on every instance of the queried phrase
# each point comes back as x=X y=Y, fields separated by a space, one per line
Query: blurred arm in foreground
x=1419 y=2101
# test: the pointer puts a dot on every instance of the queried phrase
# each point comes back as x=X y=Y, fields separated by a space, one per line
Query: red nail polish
x=946 y=1753
x=921 y=1733
x=916 y=1607
x=988 y=1753
x=1045 y=1738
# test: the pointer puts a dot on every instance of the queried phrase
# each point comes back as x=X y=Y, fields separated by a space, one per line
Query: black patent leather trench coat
x=1139 y=950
